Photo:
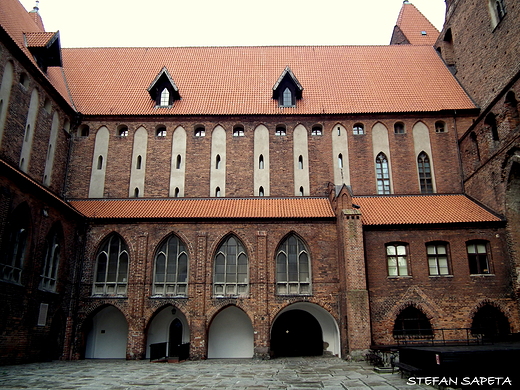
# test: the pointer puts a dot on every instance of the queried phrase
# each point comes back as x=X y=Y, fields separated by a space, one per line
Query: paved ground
x=276 y=374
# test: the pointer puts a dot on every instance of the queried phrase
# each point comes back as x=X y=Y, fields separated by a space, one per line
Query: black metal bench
x=406 y=369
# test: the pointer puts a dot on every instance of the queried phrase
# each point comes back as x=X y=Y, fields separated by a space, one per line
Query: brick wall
x=448 y=301
x=239 y=169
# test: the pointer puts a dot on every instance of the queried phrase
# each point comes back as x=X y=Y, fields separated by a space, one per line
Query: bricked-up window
x=478 y=257
x=231 y=269
x=15 y=248
x=491 y=123
x=437 y=253
x=358 y=129
x=412 y=323
x=51 y=263
x=171 y=268
x=293 y=271
x=111 y=273
x=382 y=174
x=425 y=173
x=397 y=258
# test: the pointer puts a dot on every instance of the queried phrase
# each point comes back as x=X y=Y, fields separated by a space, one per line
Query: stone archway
x=231 y=335
x=296 y=333
x=329 y=338
x=168 y=325
x=108 y=335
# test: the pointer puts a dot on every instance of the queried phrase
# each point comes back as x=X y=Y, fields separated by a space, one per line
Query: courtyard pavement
x=286 y=373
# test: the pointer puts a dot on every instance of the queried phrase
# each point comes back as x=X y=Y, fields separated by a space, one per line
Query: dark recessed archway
x=490 y=322
x=296 y=333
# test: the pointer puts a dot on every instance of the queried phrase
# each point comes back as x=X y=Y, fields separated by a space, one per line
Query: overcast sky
x=105 y=23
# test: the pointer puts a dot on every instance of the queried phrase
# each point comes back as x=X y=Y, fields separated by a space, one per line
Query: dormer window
x=163 y=89
x=165 y=97
x=287 y=90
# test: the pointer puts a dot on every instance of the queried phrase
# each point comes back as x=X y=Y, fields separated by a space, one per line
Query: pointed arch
x=52 y=253
x=16 y=244
x=490 y=322
x=382 y=174
x=111 y=267
x=425 y=173
x=411 y=322
x=293 y=266
x=171 y=263
x=231 y=268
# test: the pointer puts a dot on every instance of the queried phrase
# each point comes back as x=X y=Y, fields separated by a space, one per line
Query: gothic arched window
x=231 y=269
x=171 y=268
x=111 y=273
x=52 y=262
x=425 y=173
x=382 y=174
x=293 y=271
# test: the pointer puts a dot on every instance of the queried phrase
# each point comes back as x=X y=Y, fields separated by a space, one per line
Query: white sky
x=106 y=23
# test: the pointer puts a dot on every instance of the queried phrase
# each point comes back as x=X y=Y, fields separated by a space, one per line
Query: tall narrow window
x=287 y=98
x=261 y=162
x=491 y=122
x=139 y=162
x=425 y=173
x=231 y=269
x=111 y=272
x=382 y=174
x=478 y=257
x=171 y=268
x=293 y=271
x=437 y=253
x=217 y=161
x=136 y=192
x=261 y=191
x=176 y=193
x=14 y=255
x=165 y=97
x=340 y=161
x=300 y=162
x=52 y=260
x=301 y=191
x=397 y=259
x=217 y=192
x=179 y=161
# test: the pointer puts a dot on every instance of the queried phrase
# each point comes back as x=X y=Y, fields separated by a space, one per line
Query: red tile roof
x=239 y=80
x=186 y=208
x=39 y=39
x=421 y=209
x=413 y=23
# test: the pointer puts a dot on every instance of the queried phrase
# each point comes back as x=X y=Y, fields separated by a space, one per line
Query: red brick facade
x=353 y=295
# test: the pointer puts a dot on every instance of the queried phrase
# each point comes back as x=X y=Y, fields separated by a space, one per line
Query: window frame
x=291 y=285
x=171 y=285
x=358 y=128
x=433 y=258
x=475 y=262
x=107 y=287
x=383 y=184
x=49 y=275
x=226 y=286
x=397 y=255
x=424 y=170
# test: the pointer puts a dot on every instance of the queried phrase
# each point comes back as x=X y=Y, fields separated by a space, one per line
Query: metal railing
x=440 y=336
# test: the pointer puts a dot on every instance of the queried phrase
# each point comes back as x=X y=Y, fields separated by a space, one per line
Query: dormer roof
x=161 y=81
x=45 y=48
x=413 y=28
x=287 y=77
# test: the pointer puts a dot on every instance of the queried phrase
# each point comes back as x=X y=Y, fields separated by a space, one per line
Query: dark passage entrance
x=175 y=337
x=296 y=333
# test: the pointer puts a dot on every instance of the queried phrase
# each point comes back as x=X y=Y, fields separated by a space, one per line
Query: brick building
x=254 y=201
